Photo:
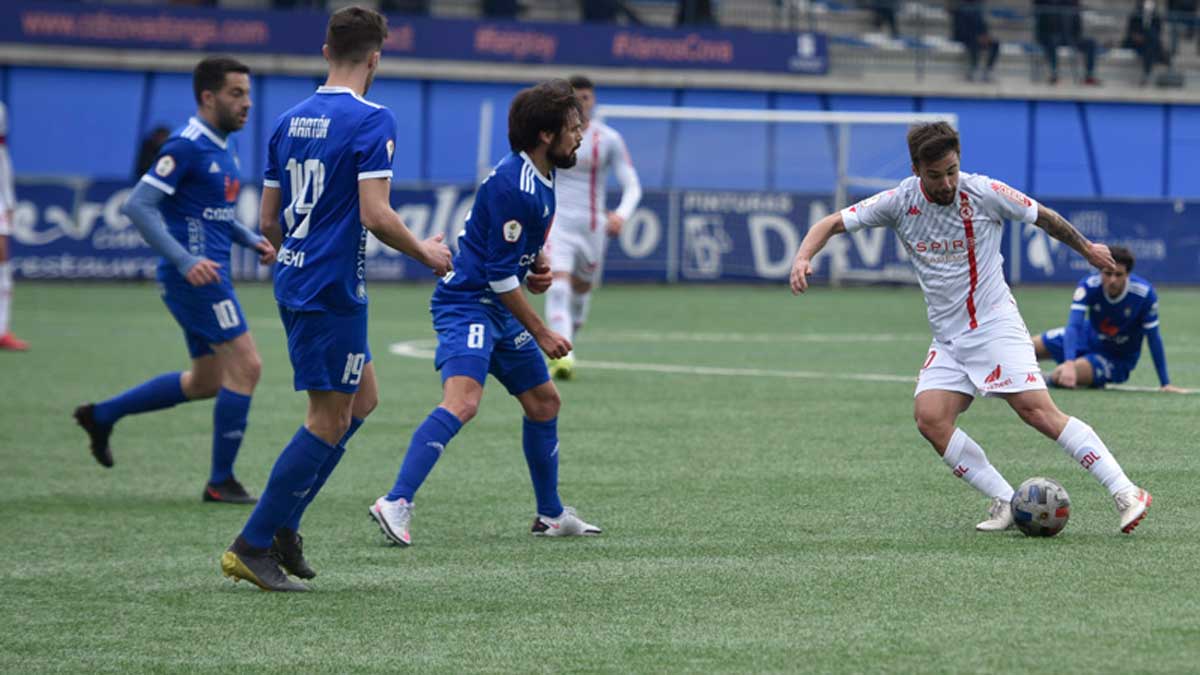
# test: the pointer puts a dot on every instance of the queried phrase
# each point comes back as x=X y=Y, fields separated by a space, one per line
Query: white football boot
x=566 y=525
x=393 y=518
x=1000 y=516
x=1131 y=505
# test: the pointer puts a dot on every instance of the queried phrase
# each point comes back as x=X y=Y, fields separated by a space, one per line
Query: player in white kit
x=950 y=223
x=8 y=203
x=582 y=225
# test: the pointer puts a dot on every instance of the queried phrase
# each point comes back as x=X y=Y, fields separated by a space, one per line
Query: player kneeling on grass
x=486 y=325
x=1110 y=313
x=950 y=223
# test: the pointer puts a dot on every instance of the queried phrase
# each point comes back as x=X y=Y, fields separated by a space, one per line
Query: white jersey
x=8 y=199
x=955 y=248
x=580 y=191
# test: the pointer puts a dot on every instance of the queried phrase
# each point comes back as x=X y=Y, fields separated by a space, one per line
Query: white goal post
x=843 y=121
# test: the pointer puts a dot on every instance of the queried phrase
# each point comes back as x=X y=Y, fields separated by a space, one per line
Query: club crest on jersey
x=232 y=187
x=512 y=231
x=966 y=211
x=1080 y=294
x=166 y=164
x=391 y=148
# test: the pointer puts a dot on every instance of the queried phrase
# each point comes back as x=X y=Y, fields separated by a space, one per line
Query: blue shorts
x=1106 y=369
x=474 y=340
x=208 y=314
x=328 y=351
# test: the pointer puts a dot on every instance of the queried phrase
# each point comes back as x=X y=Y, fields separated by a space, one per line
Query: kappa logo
x=1031 y=377
x=914 y=211
x=214 y=167
x=992 y=376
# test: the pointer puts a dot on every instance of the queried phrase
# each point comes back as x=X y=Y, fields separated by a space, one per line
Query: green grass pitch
x=767 y=502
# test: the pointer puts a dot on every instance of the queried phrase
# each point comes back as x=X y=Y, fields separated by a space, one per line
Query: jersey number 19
x=308 y=177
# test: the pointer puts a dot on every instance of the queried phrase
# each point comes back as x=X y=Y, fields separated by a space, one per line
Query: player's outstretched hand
x=1064 y=375
x=800 y=271
x=1099 y=256
x=615 y=223
x=266 y=252
x=555 y=345
x=203 y=272
x=1172 y=389
x=437 y=255
x=539 y=279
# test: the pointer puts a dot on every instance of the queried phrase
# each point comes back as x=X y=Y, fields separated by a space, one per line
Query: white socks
x=1084 y=446
x=967 y=460
x=580 y=302
x=5 y=294
x=558 y=308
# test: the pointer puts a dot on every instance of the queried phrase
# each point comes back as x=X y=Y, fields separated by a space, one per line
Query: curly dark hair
x=542 y=107
x=930 y=142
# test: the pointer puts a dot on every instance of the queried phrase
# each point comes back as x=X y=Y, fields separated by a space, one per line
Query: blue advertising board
x=74 y=230
x=302 y=33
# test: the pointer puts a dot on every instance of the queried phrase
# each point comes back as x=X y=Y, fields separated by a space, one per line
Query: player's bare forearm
x=518 y=304
x=1061 y=229
x=819 y=235
x=374 y=198
x=268 y=216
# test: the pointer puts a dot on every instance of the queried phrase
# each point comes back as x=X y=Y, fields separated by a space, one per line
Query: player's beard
x=230 y=119
x=560 y=160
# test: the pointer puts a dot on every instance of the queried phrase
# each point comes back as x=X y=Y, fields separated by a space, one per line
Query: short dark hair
x=354 y=32
x=581 y=82
x=930 y=142
x=543 y=107
x=1123 y=256
x=209 y=74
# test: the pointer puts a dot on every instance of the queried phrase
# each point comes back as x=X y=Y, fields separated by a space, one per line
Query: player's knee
x=544 y=406
x=936 y=428
x=463 y=409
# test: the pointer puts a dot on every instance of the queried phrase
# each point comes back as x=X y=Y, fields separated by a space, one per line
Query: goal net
x=802 y=164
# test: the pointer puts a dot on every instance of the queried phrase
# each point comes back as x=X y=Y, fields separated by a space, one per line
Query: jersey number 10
x=308 y=177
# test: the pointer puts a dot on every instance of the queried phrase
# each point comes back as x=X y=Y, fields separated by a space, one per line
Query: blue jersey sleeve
x=375 y=144
x=1073 y=336
x=1154 y=338
x=173 y=164
x=508 y=214
x=271 y=173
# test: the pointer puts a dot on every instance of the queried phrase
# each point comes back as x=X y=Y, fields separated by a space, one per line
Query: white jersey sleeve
x=1007 y=203
x=8 y=197
x=622 y=165
x=882 y=210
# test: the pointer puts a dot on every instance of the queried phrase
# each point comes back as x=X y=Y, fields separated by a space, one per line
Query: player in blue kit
x=486 y=325
x=1110 y=313
x=185 y=208
x=328 y=176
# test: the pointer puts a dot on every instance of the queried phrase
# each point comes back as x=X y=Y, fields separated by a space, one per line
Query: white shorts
x=580 y=253
x=995 y=358
x=5 y=226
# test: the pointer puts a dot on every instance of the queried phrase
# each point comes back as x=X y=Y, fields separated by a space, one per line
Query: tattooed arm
x=1058 y=227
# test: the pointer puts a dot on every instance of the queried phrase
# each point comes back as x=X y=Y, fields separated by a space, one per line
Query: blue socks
x=292 y=479
x=428 y=442
x=160 y=392
x=540 y=440
x=327 y=468
x=229 y=425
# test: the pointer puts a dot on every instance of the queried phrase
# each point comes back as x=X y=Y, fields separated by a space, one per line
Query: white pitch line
x=420 y=349
x=679 y=336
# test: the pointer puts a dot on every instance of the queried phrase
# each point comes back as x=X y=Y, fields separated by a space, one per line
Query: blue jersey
x=1117 y=325
x=318 y=152
x=199 y=171
x=505 y=230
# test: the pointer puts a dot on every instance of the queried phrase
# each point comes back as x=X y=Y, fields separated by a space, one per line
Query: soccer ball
x=1041 y=507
